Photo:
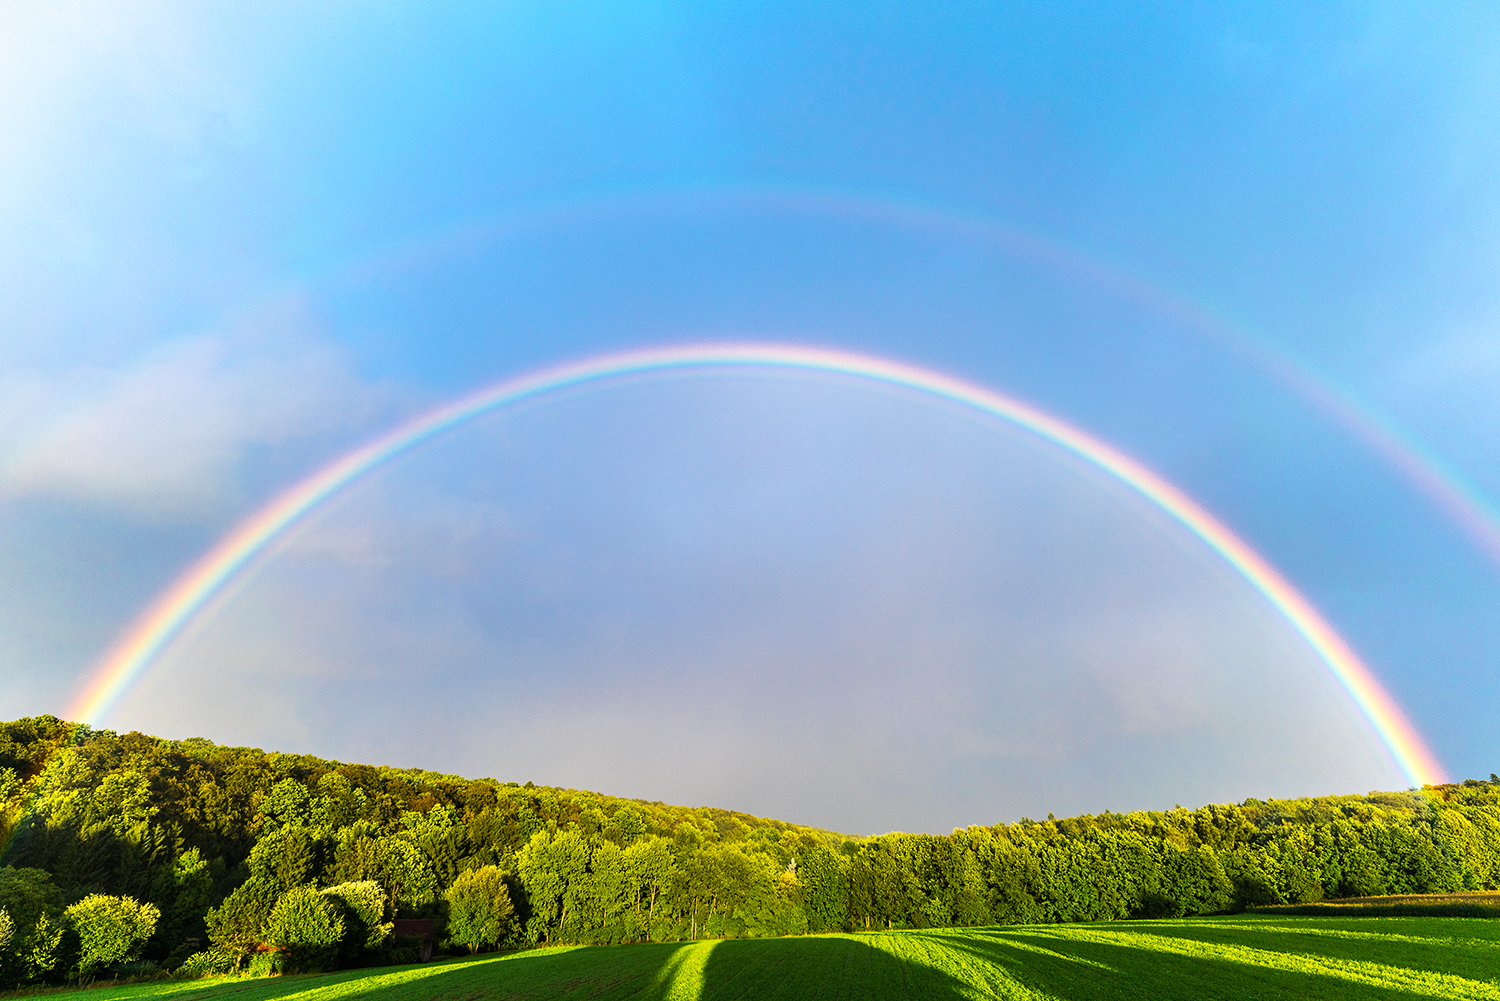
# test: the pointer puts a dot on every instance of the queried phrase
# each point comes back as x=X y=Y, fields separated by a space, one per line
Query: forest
x=129 y=854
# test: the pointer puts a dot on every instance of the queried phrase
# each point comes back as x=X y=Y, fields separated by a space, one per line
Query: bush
x=110 y=930
x=266 y=964
x=306 y=927
x=208 y=962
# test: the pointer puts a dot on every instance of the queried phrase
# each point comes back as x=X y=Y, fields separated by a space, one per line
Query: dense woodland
x=127 y=853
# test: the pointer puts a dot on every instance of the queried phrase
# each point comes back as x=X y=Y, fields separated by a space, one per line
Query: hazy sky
x=1240 y=243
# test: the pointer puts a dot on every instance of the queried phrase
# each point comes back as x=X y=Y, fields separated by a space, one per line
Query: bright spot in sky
x=798 y=595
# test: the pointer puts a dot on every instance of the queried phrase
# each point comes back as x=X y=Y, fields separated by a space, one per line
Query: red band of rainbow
x=165 y=617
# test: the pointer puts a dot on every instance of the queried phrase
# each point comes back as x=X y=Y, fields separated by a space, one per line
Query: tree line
x=131 y=853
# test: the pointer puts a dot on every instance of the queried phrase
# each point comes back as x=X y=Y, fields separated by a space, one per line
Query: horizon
x=1017 y=821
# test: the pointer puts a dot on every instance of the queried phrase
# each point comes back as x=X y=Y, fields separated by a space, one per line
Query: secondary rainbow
x=165 y=617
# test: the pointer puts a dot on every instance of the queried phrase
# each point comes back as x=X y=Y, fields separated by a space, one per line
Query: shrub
x=110 y=930
x=306 y=927
x=266 y=964
x=207 y=962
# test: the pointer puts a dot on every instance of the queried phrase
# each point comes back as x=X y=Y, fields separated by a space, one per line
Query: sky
x=1252 y=246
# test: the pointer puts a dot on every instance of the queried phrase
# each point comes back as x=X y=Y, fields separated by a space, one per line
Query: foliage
x=184 y=893
x=208 y=962
x=306 y=927
x=41 y=952
x=362 y=907
x=265 y=964
x=479 y=908
x=216 y=837
x=110 y=930
x=34 y=905
x=237 y=924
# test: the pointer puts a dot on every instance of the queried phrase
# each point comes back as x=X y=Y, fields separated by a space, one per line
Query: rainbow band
x=1462 y=502
x=146 y=638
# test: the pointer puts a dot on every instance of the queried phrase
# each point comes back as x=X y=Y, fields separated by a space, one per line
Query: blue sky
x=235 y=242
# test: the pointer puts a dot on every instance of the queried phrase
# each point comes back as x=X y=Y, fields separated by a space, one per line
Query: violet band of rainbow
x=136 y=649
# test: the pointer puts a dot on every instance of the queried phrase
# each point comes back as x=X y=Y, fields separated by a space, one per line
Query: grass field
x=1478 y=904
x=1236 y=957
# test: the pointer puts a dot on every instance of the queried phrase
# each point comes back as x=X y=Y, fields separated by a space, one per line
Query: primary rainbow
x=165 y=617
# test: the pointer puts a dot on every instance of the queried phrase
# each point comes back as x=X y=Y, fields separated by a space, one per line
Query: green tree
x=649 y=864
x=1192 y=882
x=554 y=870
x=626 y=827
x=440 y=836
x=35 y=907
x=363 y=910
x=288 y=856
x=306 y=927
x=479 y=908
x=399 y=866
x=183 y=893
x=286 y=805
x=339 y=803
x=110 y=930
x=237 y=925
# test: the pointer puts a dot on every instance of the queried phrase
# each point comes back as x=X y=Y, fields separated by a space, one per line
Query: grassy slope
x=1240 y=957
x=1476 y=904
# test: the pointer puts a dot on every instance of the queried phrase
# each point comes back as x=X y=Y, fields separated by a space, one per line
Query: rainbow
x=1462 y=502
x=165 y=617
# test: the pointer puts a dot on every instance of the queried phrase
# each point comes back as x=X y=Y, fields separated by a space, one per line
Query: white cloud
x=186 y=429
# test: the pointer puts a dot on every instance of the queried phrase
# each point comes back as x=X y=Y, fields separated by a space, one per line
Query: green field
x=1237 y=957
x=1477 y=904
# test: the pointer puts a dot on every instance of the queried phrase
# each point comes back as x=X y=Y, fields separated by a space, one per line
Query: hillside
x=221 y=840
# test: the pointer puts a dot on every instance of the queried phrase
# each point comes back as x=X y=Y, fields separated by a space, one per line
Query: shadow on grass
x=824 y=968
x=605 y=973
x=1050 y=962
x=813 y=968
x=1420 y=947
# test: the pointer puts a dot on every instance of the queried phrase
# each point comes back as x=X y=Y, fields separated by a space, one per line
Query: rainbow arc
x=148 y=636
